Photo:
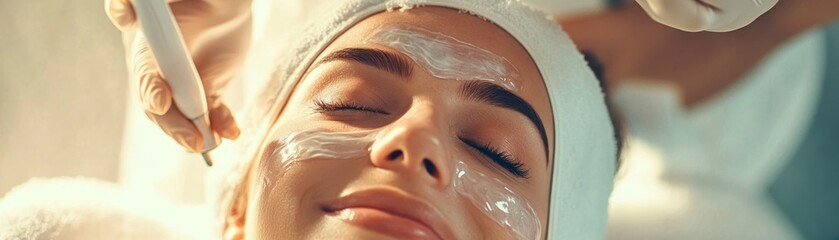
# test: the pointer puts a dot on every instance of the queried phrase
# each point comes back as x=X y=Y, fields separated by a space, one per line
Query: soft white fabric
x=718 y=159
x=584 y=147
x=82 y=208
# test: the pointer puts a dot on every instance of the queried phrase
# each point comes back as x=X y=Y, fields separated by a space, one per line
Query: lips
x=392 y=213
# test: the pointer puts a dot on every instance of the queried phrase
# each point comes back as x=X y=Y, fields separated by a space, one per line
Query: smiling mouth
x=391 y=213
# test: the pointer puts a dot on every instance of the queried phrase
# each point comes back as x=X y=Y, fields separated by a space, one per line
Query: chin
x=341 y=230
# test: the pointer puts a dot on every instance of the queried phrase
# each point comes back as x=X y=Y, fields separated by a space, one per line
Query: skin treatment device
x=167 y=44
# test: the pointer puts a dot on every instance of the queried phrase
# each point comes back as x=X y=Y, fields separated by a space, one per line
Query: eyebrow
x=498 y=96
x=383 y=60
x=481 y=91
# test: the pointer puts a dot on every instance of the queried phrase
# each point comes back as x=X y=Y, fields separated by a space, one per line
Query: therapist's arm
x=632 y=47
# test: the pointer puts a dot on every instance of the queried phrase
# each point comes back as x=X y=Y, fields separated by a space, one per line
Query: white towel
x=83 y=208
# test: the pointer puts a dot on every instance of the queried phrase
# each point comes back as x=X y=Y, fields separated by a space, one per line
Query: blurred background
x=63 y=91
x=65 y=97
x=807 y=188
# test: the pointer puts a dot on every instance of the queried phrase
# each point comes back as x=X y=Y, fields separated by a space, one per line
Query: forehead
x=469 y=29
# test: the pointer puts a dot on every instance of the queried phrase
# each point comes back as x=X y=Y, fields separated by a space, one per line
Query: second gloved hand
x=706 y=15
x=216 y=33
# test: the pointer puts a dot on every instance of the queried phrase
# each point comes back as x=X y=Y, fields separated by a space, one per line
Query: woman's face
x=421 y=127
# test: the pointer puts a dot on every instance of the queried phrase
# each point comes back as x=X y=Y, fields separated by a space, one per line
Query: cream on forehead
x=445 y=57
x=492 y=196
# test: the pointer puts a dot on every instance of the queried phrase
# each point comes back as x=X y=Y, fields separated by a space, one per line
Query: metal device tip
x=207 y=158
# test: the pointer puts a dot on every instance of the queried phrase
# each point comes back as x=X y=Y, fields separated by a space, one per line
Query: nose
x=414 y=146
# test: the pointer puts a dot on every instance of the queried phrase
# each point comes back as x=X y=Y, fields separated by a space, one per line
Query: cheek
x=475 y=224
x=289 y=205
x=274 y=211
x=541 y=197
x=505 y=207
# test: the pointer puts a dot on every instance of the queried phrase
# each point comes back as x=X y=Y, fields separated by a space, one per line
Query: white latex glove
x=216 y=33
x=706 y=15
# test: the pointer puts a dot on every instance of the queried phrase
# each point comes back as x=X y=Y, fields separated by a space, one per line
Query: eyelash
x=502 y=158
x=336 y=106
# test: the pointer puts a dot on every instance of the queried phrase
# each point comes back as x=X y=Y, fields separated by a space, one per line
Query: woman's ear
x=234 y=224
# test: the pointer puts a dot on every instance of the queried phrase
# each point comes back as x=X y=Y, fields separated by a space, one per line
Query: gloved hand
x=216 y=33
x=706 y=15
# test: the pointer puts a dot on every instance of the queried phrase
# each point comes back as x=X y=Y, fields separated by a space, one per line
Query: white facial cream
x=445 y=57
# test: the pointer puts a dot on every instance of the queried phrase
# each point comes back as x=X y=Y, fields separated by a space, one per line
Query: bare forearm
x=797 y=16
x=632 y=47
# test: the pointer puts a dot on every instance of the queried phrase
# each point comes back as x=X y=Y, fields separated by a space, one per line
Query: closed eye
x=503 y=159
x=337 y=106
